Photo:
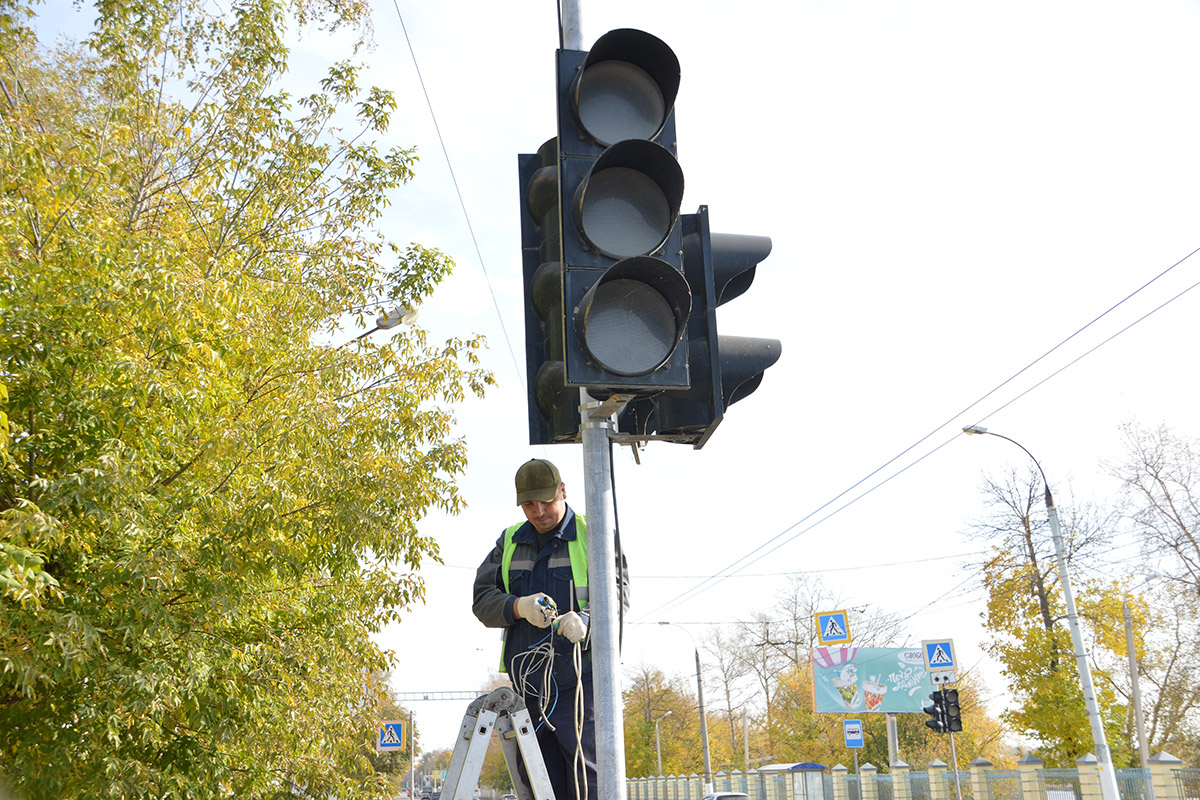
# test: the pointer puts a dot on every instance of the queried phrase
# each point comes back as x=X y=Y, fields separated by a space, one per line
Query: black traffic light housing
x=620 y=289
x=952 y=711
x=937 y=712
x=625 y=298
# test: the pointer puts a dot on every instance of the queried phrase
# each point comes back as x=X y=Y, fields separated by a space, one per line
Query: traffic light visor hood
x=633 y=317
x=626 y=88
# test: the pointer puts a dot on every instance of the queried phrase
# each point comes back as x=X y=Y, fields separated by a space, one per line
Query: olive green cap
x=537 y=479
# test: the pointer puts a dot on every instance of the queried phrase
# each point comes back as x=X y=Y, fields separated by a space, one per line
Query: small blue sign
x=939 y=655
x=391 y=735
x=854 y=732
x=832 y=628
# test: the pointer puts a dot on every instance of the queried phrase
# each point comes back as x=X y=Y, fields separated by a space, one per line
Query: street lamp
x=390 y=319
x=708 y=778
x=1108 y=777
x=658 y=743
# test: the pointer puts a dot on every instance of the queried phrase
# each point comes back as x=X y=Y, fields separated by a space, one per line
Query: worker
x=534 y=585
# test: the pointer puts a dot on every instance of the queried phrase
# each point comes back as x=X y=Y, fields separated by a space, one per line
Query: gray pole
x=603 y=602
x=572 y=27
x=893 y=747
x=746 y=739
x=1138 y=719
x=1108 y=777
x=708 y=779
x=658 y=746
x=412 y=756
x=954 y=760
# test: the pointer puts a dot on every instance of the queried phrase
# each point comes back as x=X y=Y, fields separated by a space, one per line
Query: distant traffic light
x=723 y=369
x=953 y=714
x=937 y=712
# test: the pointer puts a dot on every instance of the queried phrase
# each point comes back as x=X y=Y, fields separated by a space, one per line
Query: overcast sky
x=952 y=189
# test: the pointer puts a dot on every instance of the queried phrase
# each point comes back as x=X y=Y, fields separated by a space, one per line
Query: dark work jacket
x=550 y=573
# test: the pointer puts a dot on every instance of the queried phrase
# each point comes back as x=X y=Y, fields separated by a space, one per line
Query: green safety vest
x=577 y=550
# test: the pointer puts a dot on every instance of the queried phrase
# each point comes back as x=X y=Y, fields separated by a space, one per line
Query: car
x=726 y=796
x=425 y=796
x=509 y=797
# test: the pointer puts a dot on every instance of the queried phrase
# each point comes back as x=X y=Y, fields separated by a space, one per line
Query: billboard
x=880 y=680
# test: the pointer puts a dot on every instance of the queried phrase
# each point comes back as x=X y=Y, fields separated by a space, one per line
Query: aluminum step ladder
x=504 y=711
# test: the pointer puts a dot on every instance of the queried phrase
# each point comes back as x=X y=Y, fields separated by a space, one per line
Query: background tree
x=650 y=695
x=1160 y=481
x=205 y=512
x=1026 y=618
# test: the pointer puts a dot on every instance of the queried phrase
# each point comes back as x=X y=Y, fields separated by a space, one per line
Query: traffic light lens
x=618 y=101
x=625 y=213
x=631 y=329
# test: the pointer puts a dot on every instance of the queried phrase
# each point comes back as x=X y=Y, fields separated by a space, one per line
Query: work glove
x=572 y=626
x=537 y=609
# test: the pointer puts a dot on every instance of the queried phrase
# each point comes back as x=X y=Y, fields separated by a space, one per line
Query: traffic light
x=953 y=714
x=937 y=712
x=606 y=301
x=723 y=369
x=553 y=406
x=620 y=188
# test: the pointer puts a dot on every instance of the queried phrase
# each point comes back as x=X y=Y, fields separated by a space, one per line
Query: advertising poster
x=880 y=680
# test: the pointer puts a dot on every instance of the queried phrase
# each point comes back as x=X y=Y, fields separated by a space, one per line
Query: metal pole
x=893 y=747
x=572 y=27
x=603 y=602
x=708 y=778
x=746 y=740
x=658 y=746
x=954 y=760
x=412 y=757
x=1138 y=719
x=1108 y=777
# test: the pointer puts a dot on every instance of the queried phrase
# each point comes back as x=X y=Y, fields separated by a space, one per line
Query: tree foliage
x=1160 y=481
x=204 y=512
x=1026 y=616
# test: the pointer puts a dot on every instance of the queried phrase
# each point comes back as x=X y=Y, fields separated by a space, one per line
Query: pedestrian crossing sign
x=832 y=628
x=391 y=735
x=939 y=655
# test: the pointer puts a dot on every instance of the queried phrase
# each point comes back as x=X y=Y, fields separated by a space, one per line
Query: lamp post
x=658 y=742
x=1108 y=777
x=708 y=778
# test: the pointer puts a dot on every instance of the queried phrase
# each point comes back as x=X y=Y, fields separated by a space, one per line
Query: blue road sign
x=391 y=735
x=853 y=730
x=939 y=655
x=832 y=628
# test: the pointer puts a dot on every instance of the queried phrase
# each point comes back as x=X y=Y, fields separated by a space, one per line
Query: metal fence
x=1188 y=781
x=962 y=786
x=1060 y=784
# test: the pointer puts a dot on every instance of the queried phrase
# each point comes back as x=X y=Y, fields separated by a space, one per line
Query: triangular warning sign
x=939 y=656
x=388 y=736
x=833 y=630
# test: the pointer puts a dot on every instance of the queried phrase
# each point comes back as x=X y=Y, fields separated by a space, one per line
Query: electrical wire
x=453 y=179
x=746 y=560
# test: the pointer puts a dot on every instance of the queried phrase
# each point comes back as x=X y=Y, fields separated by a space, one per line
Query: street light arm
x=982 y=431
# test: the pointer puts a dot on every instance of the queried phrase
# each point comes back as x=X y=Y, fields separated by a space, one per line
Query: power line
x=457 y=191
x=746 y=560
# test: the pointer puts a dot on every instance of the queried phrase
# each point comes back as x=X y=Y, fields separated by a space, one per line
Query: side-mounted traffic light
x=937 y=712
x=723 y=369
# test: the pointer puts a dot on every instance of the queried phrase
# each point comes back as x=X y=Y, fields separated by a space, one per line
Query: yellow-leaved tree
x=205 y=512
